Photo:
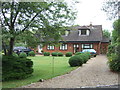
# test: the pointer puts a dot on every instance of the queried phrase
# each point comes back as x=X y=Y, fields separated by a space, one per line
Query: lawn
x=45 y=67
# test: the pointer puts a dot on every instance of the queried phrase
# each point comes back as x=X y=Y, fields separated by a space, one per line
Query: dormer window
x=84 y=32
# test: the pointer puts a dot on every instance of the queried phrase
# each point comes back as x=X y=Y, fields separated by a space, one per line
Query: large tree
x=112 y=8
x=44 y=18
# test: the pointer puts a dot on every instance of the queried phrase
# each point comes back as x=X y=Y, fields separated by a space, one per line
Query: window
x=63 y=47
x=83 y=32
x=87 y=46
x=50 y=47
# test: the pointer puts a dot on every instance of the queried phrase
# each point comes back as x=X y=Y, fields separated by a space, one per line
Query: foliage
x=114 y=36
x=111 y=8
x=114 y=63
x=60 y=54
x=106 y=33
x=75 y=61
x=35 y=20
x=16 y=68
x=68 y=54
x=15 y=55
x=54 y=53
x=77 y=53
x=114 y=48
x=20 y=44
x=22 y=55
x=31 y=53
x=85 y=57
x=46 y=54
x=111 y=49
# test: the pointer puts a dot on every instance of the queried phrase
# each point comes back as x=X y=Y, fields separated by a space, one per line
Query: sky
x=89 y=11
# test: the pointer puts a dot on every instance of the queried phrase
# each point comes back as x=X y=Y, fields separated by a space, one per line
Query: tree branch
x=5 y=18
x=30 y=21
x=16 y=13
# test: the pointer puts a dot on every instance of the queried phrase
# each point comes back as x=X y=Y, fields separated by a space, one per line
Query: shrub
x=22 y=55
x=68 y=54
x=16 y=68
x=75 y=61
x=46 y=54
x=60 y=54
x=31 y=53
x=84 y=57
x=15 y=55
x=54 y=54
x=114 y=63
x=77 y=53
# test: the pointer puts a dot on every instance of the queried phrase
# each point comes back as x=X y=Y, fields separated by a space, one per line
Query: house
x=78 y=38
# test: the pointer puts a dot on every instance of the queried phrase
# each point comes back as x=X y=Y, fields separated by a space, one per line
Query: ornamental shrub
x=54 y=53
x=60 y=54
x=31 y=53
x=68 y=54
x=15 y=55
x=77 y=53
x=16 y=68
x=84 y=57
x=46 y=54
x=22 y=55
x=75 y=61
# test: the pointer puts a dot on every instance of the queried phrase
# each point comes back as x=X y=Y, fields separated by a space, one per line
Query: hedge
x=54 y=53
x=75 y=61
x=16 y=68
x=60 y=54
x=46 y=54
x=22 y=55
x=31 y=53
x=68 y=54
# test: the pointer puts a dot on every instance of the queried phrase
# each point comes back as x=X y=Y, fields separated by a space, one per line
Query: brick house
x=78 y=38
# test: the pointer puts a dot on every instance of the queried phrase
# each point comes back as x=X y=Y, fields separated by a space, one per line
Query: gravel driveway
x=95 y=72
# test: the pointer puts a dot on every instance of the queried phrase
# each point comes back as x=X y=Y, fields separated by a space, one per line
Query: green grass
x=43 y=69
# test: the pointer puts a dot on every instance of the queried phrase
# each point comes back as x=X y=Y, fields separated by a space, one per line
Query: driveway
x=95 y=72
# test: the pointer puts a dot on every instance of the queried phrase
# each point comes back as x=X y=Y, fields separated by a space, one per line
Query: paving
x=92 y=74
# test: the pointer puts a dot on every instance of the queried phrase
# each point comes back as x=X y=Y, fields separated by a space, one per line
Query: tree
x=45 y=18
x=106 y=33
x=112 y=8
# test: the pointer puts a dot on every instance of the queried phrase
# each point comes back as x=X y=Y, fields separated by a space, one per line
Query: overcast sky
x=90 y=11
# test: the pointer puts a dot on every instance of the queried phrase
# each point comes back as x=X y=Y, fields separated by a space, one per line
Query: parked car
x=91 y=51
x=20 y=49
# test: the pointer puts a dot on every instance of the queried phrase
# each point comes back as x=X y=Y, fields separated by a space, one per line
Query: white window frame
x=85 y=46
x=63 y=47
x=50 y=47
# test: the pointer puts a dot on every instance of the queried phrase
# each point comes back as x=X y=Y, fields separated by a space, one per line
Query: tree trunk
x=4 y=47
x=11 y=44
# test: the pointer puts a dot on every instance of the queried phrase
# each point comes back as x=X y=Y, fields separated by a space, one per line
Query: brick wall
x=71 y=49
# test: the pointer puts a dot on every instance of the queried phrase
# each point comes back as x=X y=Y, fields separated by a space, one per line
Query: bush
x=84 y=57
x=68 y=54
x=77 y=53
x=22 y=55
x=31 y=53
x=16 y=68
x=54 y=54
x=114 y=63
x=46 y=54
x=75 y=61
x=60 y=54
x=15 y=55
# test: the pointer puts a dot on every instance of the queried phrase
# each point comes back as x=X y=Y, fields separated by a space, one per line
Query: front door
x=75 y=48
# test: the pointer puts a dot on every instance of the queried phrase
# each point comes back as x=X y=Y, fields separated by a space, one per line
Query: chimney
x=91 y=26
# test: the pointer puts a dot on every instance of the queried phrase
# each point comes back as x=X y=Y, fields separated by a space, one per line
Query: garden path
x=94 y=72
